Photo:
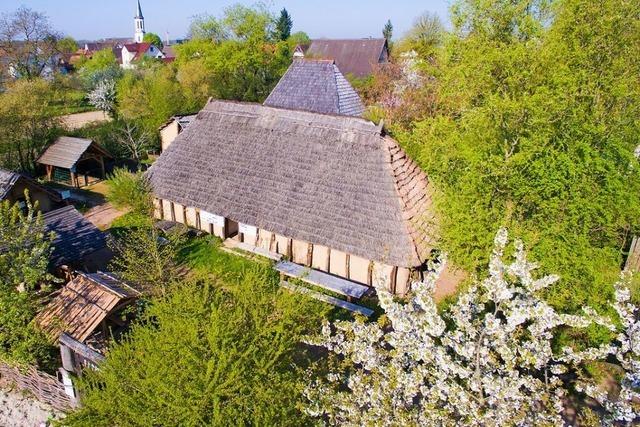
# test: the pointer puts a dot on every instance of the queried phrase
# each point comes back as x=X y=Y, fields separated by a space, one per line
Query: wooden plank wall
x=318 y=257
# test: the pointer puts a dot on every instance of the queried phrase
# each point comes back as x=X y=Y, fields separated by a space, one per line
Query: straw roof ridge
x=325 y=179
x=317 y=86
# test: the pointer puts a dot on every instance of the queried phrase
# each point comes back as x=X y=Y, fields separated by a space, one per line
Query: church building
x=132 y=52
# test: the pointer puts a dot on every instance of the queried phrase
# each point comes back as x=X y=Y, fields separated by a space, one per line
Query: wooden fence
x=44 y=387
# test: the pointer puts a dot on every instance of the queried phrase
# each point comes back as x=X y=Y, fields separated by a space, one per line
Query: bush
x=210 y=353
x=129 y=190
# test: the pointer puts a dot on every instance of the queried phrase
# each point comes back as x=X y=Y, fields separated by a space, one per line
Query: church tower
x=139 y=21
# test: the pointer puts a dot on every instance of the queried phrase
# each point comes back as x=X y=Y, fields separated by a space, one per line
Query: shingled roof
x=353 y=56
x=325 y=179
x=9 y=179
x=75 y=237
x=83 y=303
x=66 y=151
x=318 y=86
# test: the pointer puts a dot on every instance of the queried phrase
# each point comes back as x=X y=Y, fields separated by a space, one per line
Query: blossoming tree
x=487 y=360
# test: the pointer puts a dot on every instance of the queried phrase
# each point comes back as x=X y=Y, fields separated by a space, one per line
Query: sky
x=92 y=20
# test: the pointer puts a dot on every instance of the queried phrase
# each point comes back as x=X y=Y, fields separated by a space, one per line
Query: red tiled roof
x=138 y=48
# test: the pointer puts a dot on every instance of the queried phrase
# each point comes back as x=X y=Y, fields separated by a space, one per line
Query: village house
x=14 y=184
x=74 y=161
x=354 y=57
x=317 y=86
x=332 y=194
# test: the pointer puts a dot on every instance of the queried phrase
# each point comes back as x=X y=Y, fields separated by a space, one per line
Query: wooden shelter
x=331 y=193
x=13 y=186
x=74 y=161
x=83 y=315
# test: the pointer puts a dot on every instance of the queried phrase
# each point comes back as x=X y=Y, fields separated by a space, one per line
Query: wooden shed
x=84 y=315
x=330 y=193
x=75 y=161
x=14 y=184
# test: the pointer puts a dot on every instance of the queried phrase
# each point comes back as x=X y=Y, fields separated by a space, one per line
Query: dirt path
x=103 y=215
x=17 y=410
x=76 y=121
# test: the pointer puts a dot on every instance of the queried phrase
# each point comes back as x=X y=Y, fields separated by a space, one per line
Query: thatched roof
x=75 y=237
x=353 y=56
x=329 y=180
x=66 y=151
x=9 y=179
x=83 y=303
x=318 y=86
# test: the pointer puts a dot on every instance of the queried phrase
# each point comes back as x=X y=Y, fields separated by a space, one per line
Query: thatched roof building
x=68 y=158
x=317 y=86
x=14 y=184
x=331 y=192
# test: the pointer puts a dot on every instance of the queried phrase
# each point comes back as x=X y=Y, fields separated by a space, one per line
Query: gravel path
x=76 y=121
x=17 y=410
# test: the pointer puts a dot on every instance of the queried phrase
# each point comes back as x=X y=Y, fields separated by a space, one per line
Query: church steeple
x=139 y=23
x=139 y=14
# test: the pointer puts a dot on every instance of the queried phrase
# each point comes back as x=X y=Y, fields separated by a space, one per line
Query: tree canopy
x=24 y=258
x=284 y=25
x=154 y=39
x=207 y=353
x=28 y=42
x=534 y=128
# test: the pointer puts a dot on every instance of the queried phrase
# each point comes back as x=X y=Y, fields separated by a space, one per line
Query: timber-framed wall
x=318 y=257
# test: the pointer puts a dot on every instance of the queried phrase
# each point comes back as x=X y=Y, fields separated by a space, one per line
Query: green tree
x=150 y=96
x=37 y=47
x=426 y=36
x=24 y=258
x=206 y=27
x=245 y=66
x=284 y=25
x=102 y=66
x=148 y=258
x=210 y=353
x=67 y=46
x=128 y=190
x=387 y=31
x=26 y=122
x=154 y=39
x=536 y=118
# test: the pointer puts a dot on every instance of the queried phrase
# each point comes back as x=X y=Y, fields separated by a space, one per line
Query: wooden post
x=49 y=172
x=102 y=167
x=74 y=180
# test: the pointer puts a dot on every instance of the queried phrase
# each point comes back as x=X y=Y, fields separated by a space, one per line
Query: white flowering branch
x=487 y=360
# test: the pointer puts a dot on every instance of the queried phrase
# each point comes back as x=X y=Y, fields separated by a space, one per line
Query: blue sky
x=90 y=19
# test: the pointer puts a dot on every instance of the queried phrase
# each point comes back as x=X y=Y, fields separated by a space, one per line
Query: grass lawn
x=204 y=256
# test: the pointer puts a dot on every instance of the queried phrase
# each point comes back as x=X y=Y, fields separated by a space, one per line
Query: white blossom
x=486 y=360
x=103 y=96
